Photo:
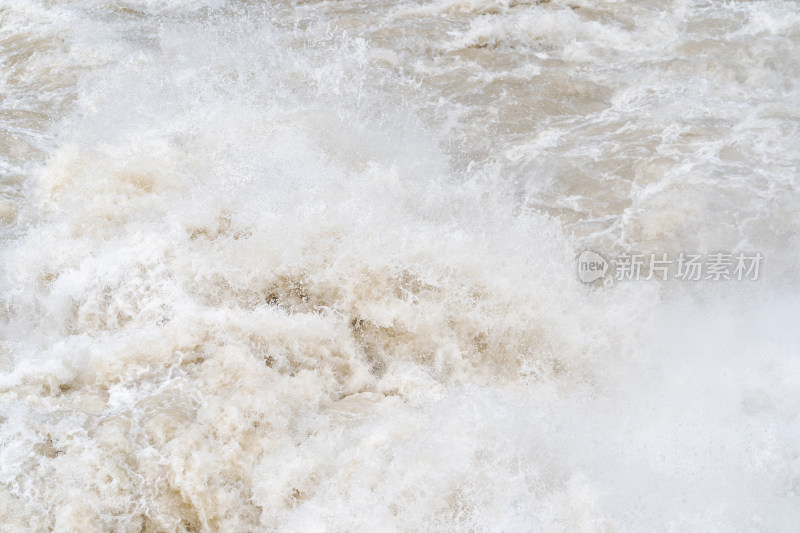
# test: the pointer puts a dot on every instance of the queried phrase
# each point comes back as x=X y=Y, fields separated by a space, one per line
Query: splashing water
x=311 y=266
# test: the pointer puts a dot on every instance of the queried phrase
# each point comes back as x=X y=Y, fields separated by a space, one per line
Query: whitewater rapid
x=311 y=266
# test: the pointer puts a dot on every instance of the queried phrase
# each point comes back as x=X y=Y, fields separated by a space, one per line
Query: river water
x=311 y=266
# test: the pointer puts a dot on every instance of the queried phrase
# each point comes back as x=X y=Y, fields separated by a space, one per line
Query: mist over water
x=311 y=266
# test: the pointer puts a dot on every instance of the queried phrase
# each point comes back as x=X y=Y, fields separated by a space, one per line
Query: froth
x=306 y=268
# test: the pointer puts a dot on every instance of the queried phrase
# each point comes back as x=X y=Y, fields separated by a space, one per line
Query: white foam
x=312 y=268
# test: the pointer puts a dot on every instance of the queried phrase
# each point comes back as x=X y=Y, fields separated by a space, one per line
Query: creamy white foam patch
x=313 y=267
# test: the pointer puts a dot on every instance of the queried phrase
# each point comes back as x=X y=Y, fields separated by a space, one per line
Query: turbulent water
x=311 y=266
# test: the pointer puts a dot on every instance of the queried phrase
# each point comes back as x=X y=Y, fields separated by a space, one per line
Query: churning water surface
x=311 y=265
